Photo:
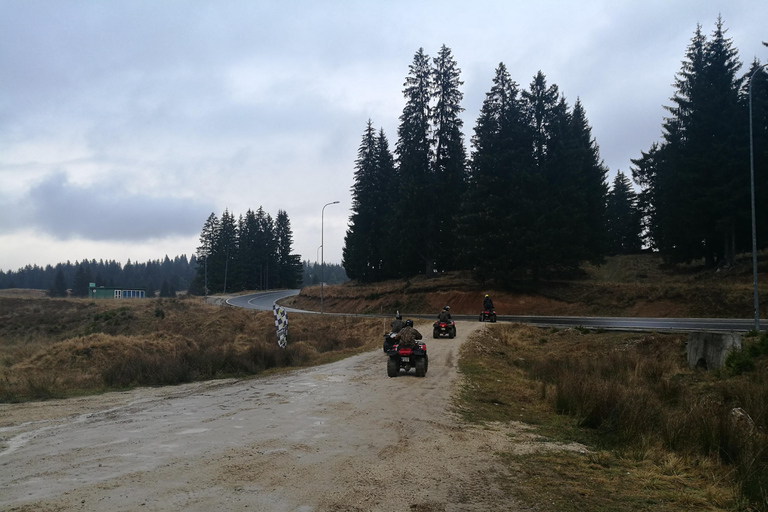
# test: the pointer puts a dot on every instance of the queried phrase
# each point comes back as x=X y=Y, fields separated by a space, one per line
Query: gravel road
x=339 y=437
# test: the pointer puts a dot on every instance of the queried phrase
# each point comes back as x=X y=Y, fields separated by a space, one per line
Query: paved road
x=264 y=301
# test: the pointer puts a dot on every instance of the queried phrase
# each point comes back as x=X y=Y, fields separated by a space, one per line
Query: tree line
x=695 y=182
x=166 y=274
x=532 y=196
x=253 y=252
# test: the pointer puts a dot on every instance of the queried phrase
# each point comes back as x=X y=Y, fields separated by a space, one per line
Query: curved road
x=264 y=300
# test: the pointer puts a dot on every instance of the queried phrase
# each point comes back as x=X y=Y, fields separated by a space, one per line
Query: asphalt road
x=264 y=301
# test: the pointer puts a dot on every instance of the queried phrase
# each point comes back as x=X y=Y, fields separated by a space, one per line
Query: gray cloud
x=106 y=106
x=64 y=211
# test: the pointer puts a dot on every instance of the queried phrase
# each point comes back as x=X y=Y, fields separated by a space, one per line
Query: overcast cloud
x=124 y=124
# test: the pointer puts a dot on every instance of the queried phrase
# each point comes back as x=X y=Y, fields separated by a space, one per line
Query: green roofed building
x=103 y=292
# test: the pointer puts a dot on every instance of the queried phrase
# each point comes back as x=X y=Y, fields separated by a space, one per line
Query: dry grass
x=667 y=436
x=51 y=348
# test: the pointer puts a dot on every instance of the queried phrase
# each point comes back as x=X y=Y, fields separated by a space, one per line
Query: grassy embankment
x=61 y=347
x=659 y=435
x=637 y=285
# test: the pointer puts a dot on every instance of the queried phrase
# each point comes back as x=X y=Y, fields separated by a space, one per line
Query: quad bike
x=414 y=356
x=444 y=328
x=488 y=315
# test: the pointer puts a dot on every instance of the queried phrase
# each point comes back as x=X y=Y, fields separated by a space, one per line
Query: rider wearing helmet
x=445 y=314
x=487 y=303
x=407 y=335
x=397 y=323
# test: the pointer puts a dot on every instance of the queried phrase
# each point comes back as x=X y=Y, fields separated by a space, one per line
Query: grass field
x=60 y=347
x=658 y=435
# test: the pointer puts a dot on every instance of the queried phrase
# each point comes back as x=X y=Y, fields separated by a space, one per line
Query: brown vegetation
x=677 y=438
x=56 y=347
x=638 y=285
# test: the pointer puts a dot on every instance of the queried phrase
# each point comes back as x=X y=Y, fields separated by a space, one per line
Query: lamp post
x=752 y=190
x=322 y=254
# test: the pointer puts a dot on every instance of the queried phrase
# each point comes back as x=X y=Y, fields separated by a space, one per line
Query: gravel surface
x=340 y=437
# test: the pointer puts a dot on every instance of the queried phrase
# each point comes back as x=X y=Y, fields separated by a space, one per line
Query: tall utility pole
x=752 y=183
x=322 y=254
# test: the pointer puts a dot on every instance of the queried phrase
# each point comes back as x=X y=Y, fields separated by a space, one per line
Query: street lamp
x=752 y=189
x=322 y=254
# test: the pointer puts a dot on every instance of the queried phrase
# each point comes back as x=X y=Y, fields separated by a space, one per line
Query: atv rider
x=397 y=324
x=408 y=335
x=445 y=315
x=487 y=303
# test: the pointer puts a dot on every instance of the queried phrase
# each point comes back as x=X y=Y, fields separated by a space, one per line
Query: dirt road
x=341 y=437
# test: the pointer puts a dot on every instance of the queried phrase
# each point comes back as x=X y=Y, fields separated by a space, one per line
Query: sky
x=125 y=124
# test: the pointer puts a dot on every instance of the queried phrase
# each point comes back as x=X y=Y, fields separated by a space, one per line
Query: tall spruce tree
x=59 y=286
x=415 y=220
x=500 y=152
x=540 y=210
x=644 y=173
x=387 y=233
x=449 y=168
x=759 y=78
x=208 y=240
x=699 y=192
x=623 y=218
x=82 y=280
x=361 y=256
x=583 y=190
x=290 y=268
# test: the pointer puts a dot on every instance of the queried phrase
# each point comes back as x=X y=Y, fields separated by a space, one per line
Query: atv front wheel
x=392 y=367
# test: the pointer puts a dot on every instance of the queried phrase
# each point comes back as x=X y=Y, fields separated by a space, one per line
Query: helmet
x=409 y=323
x=446 y=308
x=486 y=295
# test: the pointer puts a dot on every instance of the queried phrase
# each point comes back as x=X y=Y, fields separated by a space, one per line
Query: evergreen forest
x=166 y=275
x=253 y=252
x=531 y=198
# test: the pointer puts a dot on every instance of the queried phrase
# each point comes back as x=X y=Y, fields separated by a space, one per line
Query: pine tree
x=415 y=219
x=538 y=207
x=81 y=282
x=699 y=190
x=59 y=286
x=623 y=217
x=361 y=254
x=449 y=155
x=759 y=78
x=500 y=152
x=290 y=269
x=386 y=232
x=208 y=240
x=224 y=252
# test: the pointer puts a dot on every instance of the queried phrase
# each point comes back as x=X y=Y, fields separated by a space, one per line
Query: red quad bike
x=407 y=358
x=488 y=316
x=443 y=328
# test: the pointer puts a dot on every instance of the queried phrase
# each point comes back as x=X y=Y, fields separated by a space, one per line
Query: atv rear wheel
x=392 y=367
x=435 y=334
x=421 y=367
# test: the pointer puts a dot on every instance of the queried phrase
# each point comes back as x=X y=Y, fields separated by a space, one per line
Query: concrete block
x=708 y=350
